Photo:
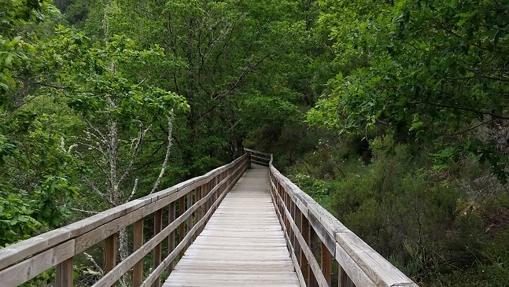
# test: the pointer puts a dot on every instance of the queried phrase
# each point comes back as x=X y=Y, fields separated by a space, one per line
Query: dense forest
x=394 y=115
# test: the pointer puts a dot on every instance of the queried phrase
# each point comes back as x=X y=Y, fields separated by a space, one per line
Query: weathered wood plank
x=183 y=243
x=296 y=261
x=63 y=277
x=343 y=279
x=158 y=225
x=171 y=218
x=31 y=267
x=363 y=260
x=124 y=266
x=326 y=263
x=313 y=264
x=27 y=248
x=110 y=252
x=242 y=244
x=375 y=266
x=354 y=273
x=137 y=243
x=257 y=152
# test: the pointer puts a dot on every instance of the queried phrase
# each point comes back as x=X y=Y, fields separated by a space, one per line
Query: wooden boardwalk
x=235 y=220
x=242 y=244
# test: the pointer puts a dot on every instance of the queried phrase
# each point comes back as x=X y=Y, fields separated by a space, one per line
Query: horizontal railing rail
x=258 y=157
x=187 y=205
x=318 y=241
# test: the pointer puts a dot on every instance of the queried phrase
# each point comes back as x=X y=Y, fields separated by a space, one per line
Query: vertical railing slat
x=64 y=274
x=305 y=268
x=158 y=225
x=110 y=252
x=343 y=279
x=326 y=263
x=172 y=236
x=137 y=243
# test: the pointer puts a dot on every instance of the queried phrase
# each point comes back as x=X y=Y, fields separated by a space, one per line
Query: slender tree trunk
x=115 y=192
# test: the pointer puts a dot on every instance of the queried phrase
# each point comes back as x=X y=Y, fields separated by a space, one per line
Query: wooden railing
x=186 y=208
x=258 y=157
x=323 y=250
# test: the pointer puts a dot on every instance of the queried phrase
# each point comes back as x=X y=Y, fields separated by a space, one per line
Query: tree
x=426 y=84
x=101 y=83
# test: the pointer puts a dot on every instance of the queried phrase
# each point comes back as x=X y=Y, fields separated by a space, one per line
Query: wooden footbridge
x=242 y=224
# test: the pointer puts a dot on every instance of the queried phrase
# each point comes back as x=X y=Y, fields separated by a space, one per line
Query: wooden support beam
x=158 y=225
x=306 y=269
x=137 y=243
x=184 y=242
x=63 y=277
x=25 y=260
x=313 y=235
x=171 y=237
x=110 y=252
x=203 y=210
x=182 y=209
x=190 y=202
x=191 y=220
x=326 y=263
x=312 y=246
x=182 y=227
x=343 y=279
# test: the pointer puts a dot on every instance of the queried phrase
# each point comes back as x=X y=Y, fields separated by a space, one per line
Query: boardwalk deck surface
x=241 y=245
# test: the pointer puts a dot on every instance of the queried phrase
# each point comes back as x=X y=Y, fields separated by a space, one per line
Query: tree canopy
x=392 y=114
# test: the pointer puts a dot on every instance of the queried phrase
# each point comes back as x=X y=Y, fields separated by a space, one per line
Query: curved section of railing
x=187 y=205
x=320 y=244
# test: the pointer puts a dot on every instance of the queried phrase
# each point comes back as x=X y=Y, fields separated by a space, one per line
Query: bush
x=424 y=222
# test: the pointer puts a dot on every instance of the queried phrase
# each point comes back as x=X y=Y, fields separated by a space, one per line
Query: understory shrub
x=429 y=224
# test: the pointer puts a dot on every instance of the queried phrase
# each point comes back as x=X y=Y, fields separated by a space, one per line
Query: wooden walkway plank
x=242 y=244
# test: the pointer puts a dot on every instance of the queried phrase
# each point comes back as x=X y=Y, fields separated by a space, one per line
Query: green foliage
x=97 y=75
x=37 y=168
x=16 y=220
x=426 y=84
x=397 y=203
x=53 y=190
x=392 y=114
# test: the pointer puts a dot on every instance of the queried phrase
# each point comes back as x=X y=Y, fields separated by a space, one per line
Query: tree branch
x=167 y=155
x=466 y=109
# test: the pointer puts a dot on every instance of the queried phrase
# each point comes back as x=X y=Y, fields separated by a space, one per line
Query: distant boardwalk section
x=242 y=244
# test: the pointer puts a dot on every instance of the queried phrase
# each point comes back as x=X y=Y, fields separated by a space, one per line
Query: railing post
x=293 y=213
x=190 y=202
x=312 y=241
x=343 y=279
x=193 y=218
x=110 y=252
x=326 y=264
x=182 y=209
x=209 y=188
x=182 y=226
x=171 y=237
x=203 y=208
x=137 y=243
x=64 y=274
x=305 y=268
x=158 y=225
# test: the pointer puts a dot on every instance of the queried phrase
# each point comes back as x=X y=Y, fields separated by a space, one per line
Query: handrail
x=306 y=223
x=258 y=157
x=316 y=240
x=188 y=204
